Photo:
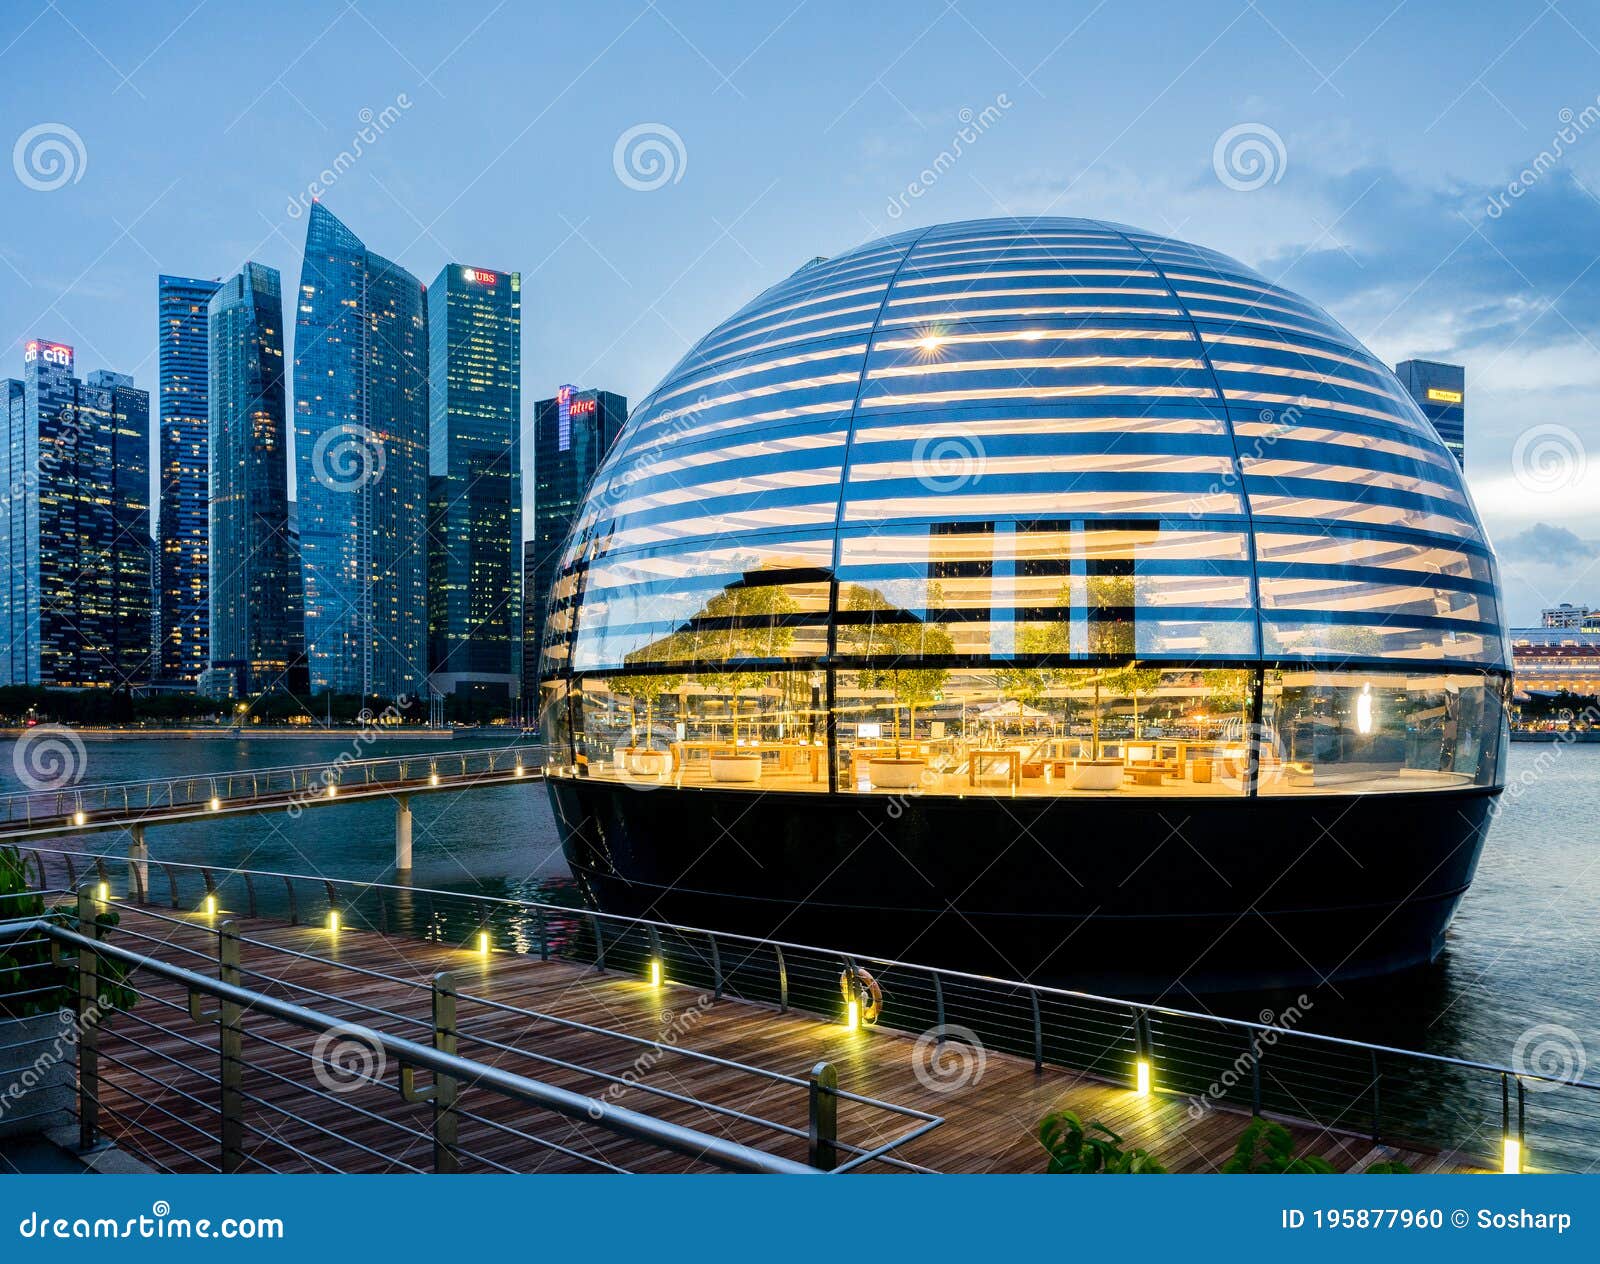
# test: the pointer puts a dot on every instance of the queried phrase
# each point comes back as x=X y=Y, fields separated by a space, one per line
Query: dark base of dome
x=1121 y=895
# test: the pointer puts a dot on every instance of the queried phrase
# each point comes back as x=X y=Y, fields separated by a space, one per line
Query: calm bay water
x=1524 y=949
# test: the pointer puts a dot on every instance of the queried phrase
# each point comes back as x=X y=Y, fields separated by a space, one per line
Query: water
x=1517 y=984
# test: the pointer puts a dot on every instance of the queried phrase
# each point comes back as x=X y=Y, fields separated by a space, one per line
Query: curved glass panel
x=1004 y=498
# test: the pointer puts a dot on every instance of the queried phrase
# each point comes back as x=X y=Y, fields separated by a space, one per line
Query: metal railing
x=126 y=802
x=1386 y=1095
x=223 y=1123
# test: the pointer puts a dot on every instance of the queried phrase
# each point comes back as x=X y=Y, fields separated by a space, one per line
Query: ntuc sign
x=49 y=352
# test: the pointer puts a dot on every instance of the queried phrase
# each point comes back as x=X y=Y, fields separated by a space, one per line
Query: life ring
x=859 y=985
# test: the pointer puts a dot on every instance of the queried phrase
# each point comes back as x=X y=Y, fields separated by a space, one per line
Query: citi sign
x=49 y=352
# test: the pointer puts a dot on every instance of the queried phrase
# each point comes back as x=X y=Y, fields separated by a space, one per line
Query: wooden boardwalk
x=160 y=1102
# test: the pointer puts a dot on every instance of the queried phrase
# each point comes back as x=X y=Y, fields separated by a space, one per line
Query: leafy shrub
x=1266 y=1148
x=1091 y=1151
x=29 y=984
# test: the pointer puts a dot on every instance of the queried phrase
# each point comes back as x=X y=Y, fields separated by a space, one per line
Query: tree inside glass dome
x=907 y=641
x=741 y=622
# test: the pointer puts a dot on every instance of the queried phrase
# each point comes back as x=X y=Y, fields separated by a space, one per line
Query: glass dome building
x=1045 y=597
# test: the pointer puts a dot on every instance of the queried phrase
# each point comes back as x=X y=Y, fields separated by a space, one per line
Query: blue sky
x=794 y=129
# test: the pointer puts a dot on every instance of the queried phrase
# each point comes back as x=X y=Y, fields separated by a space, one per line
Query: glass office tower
x=571 y=435
x=1045 y=593
x=183 y=583
x=475 y=482
x=257 y=641
x=75 y=528
x=1440 y=391
x=361 y=452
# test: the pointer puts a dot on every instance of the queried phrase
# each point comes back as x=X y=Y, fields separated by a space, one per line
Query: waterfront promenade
x=728 y=1067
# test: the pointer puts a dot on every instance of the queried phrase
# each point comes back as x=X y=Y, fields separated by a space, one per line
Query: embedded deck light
x=78 y=818
x=518 y=770
x=216 y=803
x=433 y=778
x=102 y=892
x=483 y=943
x=1511 y=1163
x=333 y=921
x=210 y=906
x=332 y=790
x=655 y=972
x=1141 y=1077
x=852 y=1015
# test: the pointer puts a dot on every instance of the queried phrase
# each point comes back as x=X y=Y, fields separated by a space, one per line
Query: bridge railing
x=1365 y=1092
x=234 y=1095
x=128 y=801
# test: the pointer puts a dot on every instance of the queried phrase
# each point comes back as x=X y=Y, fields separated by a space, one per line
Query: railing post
x=823 y=1129
x=1038 y=1032
x=599 y=944
x=938 y=1007
x=1255 y=1080
x=139 y=865
x=544 y=937
x=230 y=1047
x=716 y=969
x=88 y=1024
x=783 y=980
x=1377 y=1076
x=445 y=1121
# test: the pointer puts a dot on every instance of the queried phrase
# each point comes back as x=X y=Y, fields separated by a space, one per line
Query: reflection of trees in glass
x=1110 y=597
x=910 y=682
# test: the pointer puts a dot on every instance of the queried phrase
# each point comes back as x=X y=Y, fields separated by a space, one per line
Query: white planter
x=38 y=1072
x=647 y=763
x=736 y=769
x=896 y=774
x=1097 y=774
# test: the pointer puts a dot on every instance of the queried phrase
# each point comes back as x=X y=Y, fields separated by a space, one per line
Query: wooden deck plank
x=990 y=1118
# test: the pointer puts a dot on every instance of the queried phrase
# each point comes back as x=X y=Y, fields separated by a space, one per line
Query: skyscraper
x=75 y=530
x=1440 y=391
x=571 y=435
x=361 y=453
x=475 y=481
x=183 y=617
x=257 y=641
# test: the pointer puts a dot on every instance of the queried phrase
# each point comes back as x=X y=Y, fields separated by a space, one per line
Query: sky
x=1428 y=172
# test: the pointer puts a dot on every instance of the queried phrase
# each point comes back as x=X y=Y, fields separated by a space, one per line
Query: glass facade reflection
x=1029 y=508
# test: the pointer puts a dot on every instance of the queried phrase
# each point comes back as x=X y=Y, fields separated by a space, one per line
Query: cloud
x=1547 y=545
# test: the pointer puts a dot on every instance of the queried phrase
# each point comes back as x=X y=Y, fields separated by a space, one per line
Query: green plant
x=904 y=640
x=1266 y=1148
x=1090 y=1151
x=1389 y=1167
x=29 y=983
